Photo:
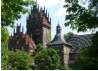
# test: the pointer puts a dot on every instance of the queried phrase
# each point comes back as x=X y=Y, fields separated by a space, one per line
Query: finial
x=17 y=24
x=41 y=9
x=58 y=29
x=58 y=26
x=14 y=31
x=46 y=12
x=44 y=8
x=50 y=20
x=38 y=7
x=48 y=15
x=22 y=29
x=20 y=24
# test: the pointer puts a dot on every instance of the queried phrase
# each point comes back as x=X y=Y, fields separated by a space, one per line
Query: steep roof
x=42 y=14
x=58 y=39
x=21 y=40
x=45 y=22
x=79 y=42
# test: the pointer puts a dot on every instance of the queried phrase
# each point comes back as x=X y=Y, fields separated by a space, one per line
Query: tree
x=89 y=57
x=69 y=34
x=46 y=59
x=4 y=49
x=81 y=18
x=20 y=60
x=11 y=10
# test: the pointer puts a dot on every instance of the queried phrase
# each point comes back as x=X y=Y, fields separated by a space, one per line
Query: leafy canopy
x=4 y=49
x=69 y=34
x=46 y=59
x=81 y=18
x=20 y=60
x=12 y=10
x=89 y=56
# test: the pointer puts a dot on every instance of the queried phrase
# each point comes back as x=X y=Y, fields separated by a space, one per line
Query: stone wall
x=66 y=54
x=46 y=35
x=63 y=52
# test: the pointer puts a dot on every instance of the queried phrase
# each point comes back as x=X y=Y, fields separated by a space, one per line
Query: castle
x=39 y=31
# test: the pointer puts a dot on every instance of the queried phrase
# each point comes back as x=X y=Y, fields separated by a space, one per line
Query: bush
x=46 y=59
x=20 y=60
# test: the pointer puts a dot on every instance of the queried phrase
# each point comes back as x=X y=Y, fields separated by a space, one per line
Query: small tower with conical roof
x=61 y=46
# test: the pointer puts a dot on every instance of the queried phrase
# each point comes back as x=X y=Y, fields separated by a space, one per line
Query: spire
x=44 y=8
x=46 y=13
x=14 y=31
x=48 y=16
x=22 y=29
x=34 y=6
x=20 y=24
x=18 y=29
x=38 y=7
x=58 y=29
x=17 y=24
x=41 y=9
x=50 y=20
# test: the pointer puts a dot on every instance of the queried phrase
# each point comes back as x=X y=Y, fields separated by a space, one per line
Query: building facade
x=39 y=32
x=39 y=25
x=21 y=41
x=61 y=46
x=68 y=48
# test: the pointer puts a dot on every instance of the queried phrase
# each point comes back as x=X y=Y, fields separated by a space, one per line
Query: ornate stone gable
x=39 y=25
x=21 y=41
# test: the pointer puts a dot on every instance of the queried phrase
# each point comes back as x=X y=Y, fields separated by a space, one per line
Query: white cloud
x=60 y=12
x=47 y=3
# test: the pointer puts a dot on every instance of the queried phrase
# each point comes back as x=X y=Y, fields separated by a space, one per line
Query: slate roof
x=58 y=39
x=79 y=42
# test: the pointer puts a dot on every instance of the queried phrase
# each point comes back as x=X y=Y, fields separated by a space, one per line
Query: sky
x=57 y=14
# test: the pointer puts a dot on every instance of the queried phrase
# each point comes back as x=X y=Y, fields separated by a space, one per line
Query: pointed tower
x=39 y=26
x=61 y=46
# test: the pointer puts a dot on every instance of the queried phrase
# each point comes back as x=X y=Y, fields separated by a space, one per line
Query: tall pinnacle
x=58 y=29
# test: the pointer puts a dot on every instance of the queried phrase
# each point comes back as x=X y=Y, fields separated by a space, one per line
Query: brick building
x=68 y=48
x=39 y=25
x=21 y=41
x=38 y=31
